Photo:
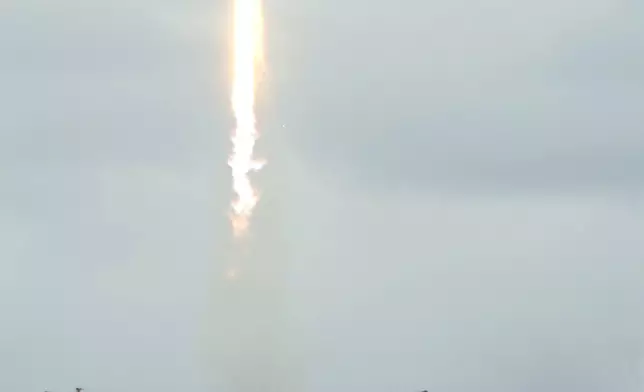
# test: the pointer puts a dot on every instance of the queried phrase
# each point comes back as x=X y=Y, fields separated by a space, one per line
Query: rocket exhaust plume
x=248 y=37
x=248 y=333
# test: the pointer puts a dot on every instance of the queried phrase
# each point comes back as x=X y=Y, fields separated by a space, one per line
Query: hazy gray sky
x=458 y=185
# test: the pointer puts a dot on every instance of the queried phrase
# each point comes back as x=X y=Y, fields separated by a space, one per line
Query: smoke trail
x=250 y=337
x=249 y=333
x=253 y=343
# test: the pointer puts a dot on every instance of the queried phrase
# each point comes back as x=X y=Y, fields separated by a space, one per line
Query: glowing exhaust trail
x=248 y=37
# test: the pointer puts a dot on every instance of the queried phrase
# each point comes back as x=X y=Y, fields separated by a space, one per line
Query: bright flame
x=248 y=54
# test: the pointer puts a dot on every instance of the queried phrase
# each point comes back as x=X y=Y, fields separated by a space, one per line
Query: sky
x=453 y=199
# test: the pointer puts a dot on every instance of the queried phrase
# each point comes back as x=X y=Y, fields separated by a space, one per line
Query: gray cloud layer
x=469 y=94
x=113 y=142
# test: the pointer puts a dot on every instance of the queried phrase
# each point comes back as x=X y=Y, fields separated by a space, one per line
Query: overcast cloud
x=458 y=185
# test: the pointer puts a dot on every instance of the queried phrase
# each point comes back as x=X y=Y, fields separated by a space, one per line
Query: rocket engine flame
x=248 y=39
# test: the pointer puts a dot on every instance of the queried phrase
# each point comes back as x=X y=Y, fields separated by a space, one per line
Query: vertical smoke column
x=248 y=36
x=249 y=331
x=253 y=345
